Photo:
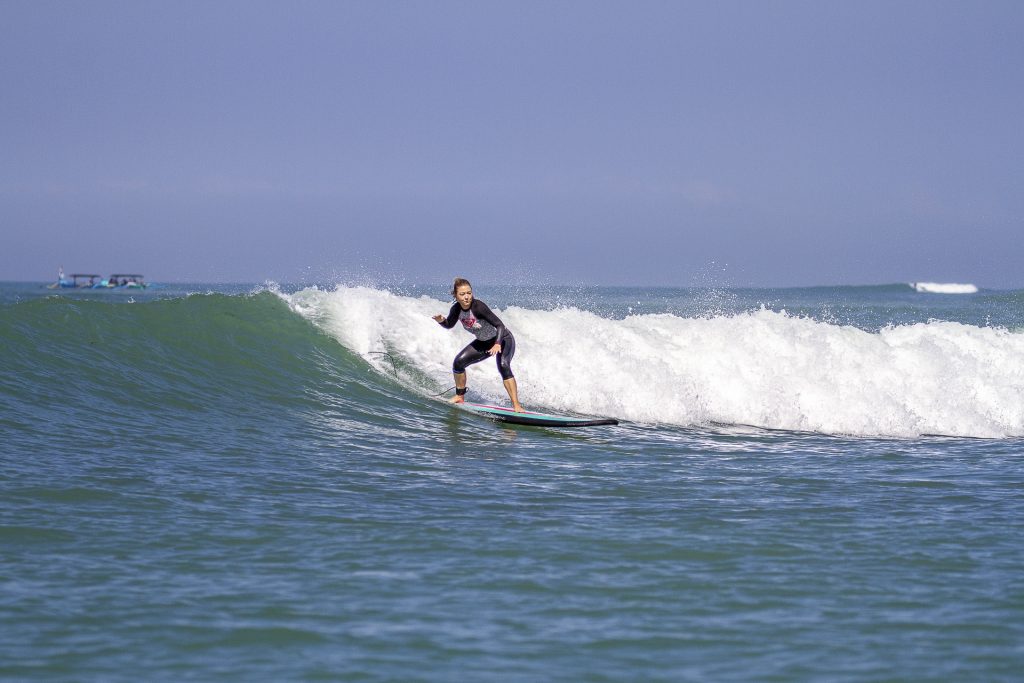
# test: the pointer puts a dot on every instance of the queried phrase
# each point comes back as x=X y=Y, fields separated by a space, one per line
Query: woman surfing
x=492 y=339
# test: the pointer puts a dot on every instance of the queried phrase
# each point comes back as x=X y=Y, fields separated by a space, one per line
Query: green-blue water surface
x=208 y=487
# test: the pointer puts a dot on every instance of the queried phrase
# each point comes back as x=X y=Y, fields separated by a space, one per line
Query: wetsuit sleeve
x=480 y=310
x=453 y=315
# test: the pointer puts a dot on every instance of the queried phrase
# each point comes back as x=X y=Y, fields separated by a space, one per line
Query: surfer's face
x=464 y=295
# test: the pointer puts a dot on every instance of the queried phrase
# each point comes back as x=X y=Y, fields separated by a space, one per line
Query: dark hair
x=460 y=281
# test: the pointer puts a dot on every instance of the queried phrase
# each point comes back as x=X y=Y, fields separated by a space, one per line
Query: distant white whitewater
x=944 y=288
x=764 y=368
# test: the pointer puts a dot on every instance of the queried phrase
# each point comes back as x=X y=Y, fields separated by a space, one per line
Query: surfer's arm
x=448 y=322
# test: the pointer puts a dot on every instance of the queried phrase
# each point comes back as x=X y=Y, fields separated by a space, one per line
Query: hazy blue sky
x=674 y=143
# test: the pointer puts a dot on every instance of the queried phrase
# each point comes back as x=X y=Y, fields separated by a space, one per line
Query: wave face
x=944 y=288
x=761 y=368
x=196 y=373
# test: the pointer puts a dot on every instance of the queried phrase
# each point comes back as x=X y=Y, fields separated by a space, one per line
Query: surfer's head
x=463 y=292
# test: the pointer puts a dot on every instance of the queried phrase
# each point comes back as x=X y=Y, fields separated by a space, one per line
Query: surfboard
x=535 y=419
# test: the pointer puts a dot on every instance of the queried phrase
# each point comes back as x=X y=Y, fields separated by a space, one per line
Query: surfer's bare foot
x=457 y=399
x=518 y=408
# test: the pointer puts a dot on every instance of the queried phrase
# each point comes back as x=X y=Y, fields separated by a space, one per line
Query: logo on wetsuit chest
x=470 y=322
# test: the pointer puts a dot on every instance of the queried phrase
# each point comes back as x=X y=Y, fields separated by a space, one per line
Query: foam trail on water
x=763 y=368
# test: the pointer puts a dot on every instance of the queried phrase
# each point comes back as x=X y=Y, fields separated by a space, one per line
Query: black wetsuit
x=488 y=329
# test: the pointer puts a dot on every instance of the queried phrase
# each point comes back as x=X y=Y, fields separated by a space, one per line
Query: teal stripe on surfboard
x=535 y=419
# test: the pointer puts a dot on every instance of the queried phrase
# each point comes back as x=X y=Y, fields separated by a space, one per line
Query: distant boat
x=76 y=281
x=95 y=281
x=125 y=281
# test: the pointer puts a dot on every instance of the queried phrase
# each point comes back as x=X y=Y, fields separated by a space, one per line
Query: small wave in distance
x=944 y=287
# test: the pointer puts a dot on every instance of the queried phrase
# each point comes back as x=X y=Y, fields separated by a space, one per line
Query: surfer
x=492 y=339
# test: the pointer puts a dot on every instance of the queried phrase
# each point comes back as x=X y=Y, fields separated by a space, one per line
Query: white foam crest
x=944 y=287
x=765 y=368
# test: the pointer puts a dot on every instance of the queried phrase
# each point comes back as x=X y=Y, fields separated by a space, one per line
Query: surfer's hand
x=495 y=349
x=439 y=318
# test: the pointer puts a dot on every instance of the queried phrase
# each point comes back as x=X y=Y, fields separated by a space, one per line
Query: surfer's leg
x=504 y=360
x=473 y=353
x=513 y=393
x=460 y=388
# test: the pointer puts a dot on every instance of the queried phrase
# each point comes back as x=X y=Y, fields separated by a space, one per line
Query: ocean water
x=265 y=483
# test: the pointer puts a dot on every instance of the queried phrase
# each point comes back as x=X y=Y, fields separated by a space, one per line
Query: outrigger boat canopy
x=126 y=280
x=97 y=281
